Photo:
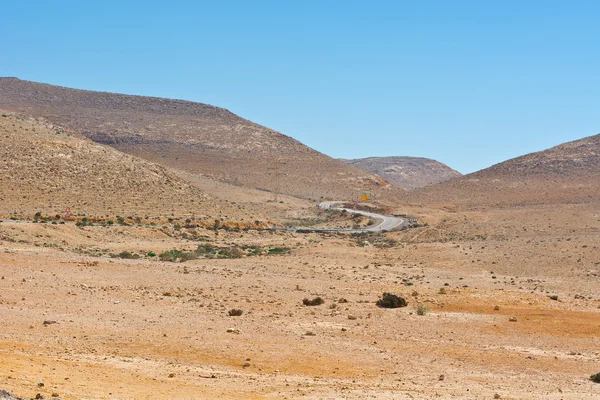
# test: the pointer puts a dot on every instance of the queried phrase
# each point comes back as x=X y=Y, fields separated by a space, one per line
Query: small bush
x=187 y=256
x=110 y=222
x=317 y=301
x=389 y=300
x=422 y=309
x=127 y=255
x=595 y=378
x=151 y=254
x=234 y=312
x=279 y=250
x=553 y=297
x=170 y=255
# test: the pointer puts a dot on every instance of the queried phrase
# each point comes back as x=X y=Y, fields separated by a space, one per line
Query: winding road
x=384 y=222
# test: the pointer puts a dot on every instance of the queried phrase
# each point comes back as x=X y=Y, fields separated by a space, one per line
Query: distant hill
x=567 y=173
x=45 y=169
x=406 y=172
x=193 y=137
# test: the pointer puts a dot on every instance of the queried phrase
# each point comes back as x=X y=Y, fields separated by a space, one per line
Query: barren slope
x=406 y=172
x=44 y=169
x=194 y=137
x=568 y=173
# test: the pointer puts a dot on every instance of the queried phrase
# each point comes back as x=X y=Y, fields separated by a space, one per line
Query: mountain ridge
x=194 y=137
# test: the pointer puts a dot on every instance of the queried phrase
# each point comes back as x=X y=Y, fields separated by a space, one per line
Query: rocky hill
x=46 y=169
x=568 y=173
x=406 y=172
x=194 y=137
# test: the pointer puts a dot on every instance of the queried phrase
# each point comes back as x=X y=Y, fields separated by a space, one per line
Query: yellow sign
x=364 y=197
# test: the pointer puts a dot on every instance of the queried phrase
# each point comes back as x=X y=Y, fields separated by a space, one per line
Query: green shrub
x=170 y=255
x=110 y=222
x=151 y=254
x=422 y=309
x=278 y=250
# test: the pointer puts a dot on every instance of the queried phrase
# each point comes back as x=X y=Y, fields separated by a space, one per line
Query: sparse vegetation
x=422 y=309
x=595 y=378
x=235 y=312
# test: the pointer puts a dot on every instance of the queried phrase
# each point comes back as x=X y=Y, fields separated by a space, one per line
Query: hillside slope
x=567 y=173
x=406 y=172
x=44 y=169
x=194 y=137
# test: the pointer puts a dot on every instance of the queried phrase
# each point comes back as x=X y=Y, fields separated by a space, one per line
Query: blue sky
x=469 y=83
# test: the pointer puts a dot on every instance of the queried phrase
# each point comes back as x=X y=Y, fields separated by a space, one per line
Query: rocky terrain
x=501 y=305
x=46 y=169
x=186 y=296
x=197 y=138
x=406 y=172
x=567 y=173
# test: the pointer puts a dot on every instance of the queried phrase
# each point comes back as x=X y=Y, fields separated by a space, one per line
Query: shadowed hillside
x=194 y=137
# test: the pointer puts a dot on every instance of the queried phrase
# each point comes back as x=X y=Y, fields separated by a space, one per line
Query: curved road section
x=384 y=222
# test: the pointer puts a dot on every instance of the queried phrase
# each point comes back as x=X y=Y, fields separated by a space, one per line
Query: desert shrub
x=317 y=301
x=389 y=300
x=235 y=312
x=110 y=222
x=279 y=250
x=595 y=378
x=151 y=254
x=205 y=248
x=169 y=255
x=553 y=297
x=422 y=309
x=128 y=255
x=187 y=256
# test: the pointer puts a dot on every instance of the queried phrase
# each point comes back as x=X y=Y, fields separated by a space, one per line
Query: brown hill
x=568 y=173
x=197 y=138
x=44 y=169
x=406 y=172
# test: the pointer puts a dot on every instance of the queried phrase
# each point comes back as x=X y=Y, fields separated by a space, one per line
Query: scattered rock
x=310 y=333
x=441 y=378
x=497 y=396
x=496 y=308
x=342 y=300
x=389 y=300
x=48 y=322
x=234 y=330
x=513 y=319
x=171 y=375
x=317 y=301
x=246 y=364
x=234 y=312
x=352 y=317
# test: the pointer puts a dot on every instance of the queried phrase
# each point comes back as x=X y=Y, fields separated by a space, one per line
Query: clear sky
x=469 y=83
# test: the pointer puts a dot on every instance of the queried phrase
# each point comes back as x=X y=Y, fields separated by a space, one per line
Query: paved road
x=384 y=222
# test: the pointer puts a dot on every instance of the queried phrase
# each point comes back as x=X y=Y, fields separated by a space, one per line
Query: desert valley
x=163 y=249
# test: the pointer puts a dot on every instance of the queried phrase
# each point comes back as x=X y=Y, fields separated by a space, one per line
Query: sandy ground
x=145 y=329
